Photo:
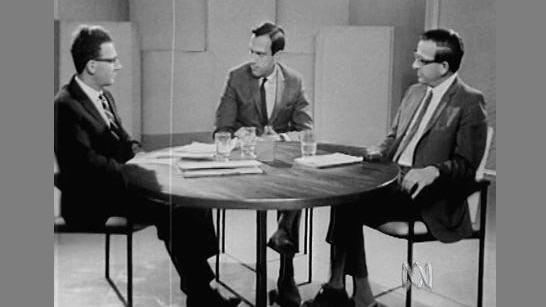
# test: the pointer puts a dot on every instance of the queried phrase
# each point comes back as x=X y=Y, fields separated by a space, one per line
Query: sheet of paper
x=189 y=165
x=221 y=172
x=335 y=159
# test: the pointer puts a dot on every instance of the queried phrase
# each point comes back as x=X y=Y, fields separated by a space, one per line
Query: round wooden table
x=283 y=186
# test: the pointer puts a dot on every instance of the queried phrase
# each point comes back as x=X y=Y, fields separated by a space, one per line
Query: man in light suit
x=264 y=93
x=438 y=138
x=92 y=148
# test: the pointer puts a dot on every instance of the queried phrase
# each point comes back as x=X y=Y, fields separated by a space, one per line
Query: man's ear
x=445 y=68
x=91 y=67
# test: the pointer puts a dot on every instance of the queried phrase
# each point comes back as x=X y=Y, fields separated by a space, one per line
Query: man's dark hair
x=86 y=44
x=451 y=46
x=276 y=34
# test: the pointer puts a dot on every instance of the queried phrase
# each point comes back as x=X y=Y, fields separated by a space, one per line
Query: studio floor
x=79 y=272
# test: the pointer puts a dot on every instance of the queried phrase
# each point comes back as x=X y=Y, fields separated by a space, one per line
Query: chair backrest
x=474 y=199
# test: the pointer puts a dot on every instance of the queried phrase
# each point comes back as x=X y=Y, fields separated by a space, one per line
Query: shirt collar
x=441 y=88
x=89 y=91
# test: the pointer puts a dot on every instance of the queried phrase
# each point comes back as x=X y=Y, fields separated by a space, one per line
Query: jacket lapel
x=87 y=104
x=442 y=105
x=409 y=113
x=255 y=92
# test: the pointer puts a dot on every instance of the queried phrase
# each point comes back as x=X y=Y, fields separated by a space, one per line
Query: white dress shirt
x=406 y=157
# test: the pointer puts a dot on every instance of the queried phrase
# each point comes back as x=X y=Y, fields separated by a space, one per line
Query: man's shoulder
x=289 y=72
x=240 y=70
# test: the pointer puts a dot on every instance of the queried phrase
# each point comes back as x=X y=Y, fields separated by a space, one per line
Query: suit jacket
x=240 y=104
x=90 y=156
x=453 y=141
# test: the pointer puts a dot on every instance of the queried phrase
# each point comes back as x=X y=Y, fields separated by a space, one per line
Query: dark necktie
x=410 y=132
x=108 y=111
x=263 y=103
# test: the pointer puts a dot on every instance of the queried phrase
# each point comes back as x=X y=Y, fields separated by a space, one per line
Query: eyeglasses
x=422 y=62
x=111 y=60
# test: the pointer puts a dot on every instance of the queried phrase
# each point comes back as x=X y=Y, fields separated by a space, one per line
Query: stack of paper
x=329 y=160
x=218 y=168
x=195 y=151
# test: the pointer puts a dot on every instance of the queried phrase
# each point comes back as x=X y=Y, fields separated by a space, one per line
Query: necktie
x=410 y=132
x=107 y=111
x=263 y=103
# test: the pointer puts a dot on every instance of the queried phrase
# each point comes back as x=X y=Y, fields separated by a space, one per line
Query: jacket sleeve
x=470 y=142
x=75 y=151
x=226 y=113
x=301 y=116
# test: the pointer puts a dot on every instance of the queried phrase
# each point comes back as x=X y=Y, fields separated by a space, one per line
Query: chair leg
x=219 y=238
x=130 y=269
x=410 y=261
x=481 y=251
x=107 y=256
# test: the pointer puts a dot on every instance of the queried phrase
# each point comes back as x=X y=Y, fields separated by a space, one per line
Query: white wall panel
x=353 y=84
x=194 y=99
x=301 y=20
x=85 y=10
x=230 y=23
x=155 y=18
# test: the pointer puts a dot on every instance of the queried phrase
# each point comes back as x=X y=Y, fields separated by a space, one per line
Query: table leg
x=261 y=264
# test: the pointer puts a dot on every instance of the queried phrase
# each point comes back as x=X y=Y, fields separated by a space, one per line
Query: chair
x=113 y=226
x=416 y=231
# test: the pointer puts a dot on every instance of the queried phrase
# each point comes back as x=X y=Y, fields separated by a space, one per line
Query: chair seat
x=421 y=233
x=114 y=225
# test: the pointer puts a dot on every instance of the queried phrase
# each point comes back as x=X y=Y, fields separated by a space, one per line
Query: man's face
x=106 y=65
x=428 y=72
x=261 y=60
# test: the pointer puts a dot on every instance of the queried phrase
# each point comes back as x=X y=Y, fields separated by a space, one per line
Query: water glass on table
x=308 y=143
x=248 y=142
x=223 y=145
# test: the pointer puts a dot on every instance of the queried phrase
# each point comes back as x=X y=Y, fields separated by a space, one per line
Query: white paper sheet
x=321 y=161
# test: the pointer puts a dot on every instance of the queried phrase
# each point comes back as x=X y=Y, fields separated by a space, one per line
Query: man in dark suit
x=438 y=138
x=92 y=148
x=264 y=93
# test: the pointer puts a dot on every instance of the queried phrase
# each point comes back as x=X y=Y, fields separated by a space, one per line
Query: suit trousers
x=188 y=235
x=345 y=229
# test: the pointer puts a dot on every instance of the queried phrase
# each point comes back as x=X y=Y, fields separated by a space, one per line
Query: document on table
x=218 y=168
x=330 y=160
x=169 y=156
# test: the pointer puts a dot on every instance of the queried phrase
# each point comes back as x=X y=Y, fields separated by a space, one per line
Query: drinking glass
x=308 y=143
x=223 y=145
x=248 y=142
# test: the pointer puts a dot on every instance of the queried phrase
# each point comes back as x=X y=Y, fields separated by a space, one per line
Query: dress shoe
x=329 y=297
x=281 y=243
x=286 y=295
x=211 y=299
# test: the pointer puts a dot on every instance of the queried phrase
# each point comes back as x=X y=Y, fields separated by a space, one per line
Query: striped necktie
x=107 y=111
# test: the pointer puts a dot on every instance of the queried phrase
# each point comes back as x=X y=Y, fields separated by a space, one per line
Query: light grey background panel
x=302 y=19
x=126 y=89
x=155 y=21
x=353 y=84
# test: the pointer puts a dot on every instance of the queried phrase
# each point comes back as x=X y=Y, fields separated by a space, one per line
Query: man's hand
x=418 y=178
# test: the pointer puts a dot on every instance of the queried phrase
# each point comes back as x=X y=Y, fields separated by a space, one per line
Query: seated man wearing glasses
x=92 y=148
x=438 y=138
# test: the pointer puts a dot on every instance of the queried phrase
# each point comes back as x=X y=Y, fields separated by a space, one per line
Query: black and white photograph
x=284 y=153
